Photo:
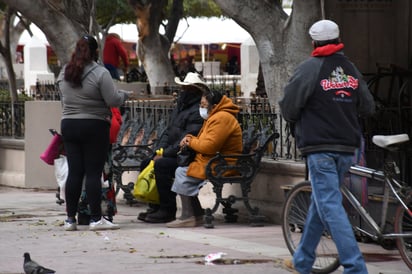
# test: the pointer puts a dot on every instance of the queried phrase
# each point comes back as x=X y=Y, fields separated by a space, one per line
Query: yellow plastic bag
x=145 y=189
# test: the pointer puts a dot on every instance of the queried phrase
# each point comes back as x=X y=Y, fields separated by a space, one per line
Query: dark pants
x=86 y=142
x=164 y=173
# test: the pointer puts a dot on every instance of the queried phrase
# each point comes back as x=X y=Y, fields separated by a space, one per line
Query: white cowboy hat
x=190 y=79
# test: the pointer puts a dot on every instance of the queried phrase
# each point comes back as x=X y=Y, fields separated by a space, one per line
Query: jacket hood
x=226 y=105
x=111 y=36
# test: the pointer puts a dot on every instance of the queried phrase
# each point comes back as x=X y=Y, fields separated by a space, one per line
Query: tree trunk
x=173 y=21
x=282 y=41
x=10 y=35
x=5 y=50
x=62 y=21
x=153 y=48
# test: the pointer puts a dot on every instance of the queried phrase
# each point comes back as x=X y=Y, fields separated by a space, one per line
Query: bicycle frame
x=389 y=181
x=397 y=195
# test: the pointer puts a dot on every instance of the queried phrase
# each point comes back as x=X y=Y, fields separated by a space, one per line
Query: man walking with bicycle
x=323 y=100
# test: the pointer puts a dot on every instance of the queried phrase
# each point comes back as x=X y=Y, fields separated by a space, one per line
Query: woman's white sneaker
x=70 y=225
x=102 y=224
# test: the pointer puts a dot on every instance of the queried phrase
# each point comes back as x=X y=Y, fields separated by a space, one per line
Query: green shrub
x=5 y=96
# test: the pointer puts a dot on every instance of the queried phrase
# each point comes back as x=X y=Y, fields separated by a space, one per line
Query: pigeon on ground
x=31 y=267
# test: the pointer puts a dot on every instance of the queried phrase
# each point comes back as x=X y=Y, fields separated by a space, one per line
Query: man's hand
x=130 y=94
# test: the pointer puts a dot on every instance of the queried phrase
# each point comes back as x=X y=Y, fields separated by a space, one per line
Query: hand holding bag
x=145 y=189
x=54 y=149
x=185 y=156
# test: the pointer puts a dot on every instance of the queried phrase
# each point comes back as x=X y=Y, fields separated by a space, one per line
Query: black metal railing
x=46 y=91
x=256 y=113
x=12 y=126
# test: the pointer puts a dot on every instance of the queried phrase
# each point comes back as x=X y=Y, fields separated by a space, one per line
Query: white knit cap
x=324 y=30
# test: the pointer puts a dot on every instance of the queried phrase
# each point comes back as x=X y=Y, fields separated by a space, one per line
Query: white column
x=249 y=66
x=35 y=63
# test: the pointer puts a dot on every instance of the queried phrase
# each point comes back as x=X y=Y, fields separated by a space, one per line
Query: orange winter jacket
x=221 y=132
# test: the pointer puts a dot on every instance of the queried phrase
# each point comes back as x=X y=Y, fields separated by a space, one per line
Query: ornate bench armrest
x=235 y=168
x=131 y=155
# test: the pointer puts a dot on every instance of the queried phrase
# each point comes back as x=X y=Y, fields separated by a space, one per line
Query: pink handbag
x=54 y=149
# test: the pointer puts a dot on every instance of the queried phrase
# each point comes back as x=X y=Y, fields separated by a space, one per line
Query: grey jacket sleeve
x=109 y=92
x=299 y=88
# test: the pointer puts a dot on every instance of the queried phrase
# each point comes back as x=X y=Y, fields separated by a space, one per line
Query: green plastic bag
x=145 y=189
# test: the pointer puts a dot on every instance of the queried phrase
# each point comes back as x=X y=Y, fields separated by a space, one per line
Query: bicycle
x=298 y=199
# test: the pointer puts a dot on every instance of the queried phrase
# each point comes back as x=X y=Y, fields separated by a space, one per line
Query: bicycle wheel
x=403 y=224
x=295 y=210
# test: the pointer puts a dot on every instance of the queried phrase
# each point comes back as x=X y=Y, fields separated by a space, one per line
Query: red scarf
x=327 y=50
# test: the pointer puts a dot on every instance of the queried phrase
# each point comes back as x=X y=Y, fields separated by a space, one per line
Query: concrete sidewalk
x=31 y=221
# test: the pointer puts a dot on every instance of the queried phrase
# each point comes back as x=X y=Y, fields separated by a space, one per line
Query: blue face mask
x=203 y=113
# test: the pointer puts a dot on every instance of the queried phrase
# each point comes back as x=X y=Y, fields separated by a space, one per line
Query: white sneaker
x=70 y=225
x=102 y=224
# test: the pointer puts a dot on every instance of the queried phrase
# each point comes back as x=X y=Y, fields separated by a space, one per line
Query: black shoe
x=160 y=216
x=142 y=215
x=83 y=219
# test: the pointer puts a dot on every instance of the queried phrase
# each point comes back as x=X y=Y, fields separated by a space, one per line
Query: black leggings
x=86 y=143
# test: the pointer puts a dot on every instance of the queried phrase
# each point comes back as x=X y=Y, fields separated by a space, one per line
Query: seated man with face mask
x=185 y=119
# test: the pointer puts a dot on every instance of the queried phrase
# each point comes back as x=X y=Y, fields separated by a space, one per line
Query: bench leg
x=208 y=218
x=127 y=189
x=255 y=218
x=228 y=210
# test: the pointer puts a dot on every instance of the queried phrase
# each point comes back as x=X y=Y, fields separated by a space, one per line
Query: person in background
x=113 y=53
x=185 y=119
x=232 y=66
x=88 y=92
x=324 y=99
x=221 y=132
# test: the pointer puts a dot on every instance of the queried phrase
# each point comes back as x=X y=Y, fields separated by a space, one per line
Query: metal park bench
x=138 y=137
x=136 y=142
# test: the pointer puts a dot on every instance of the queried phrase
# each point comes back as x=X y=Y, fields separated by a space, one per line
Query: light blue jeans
x=326 y=172
x=186 y=185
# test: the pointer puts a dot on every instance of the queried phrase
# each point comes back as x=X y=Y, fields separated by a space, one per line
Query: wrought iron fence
x=254 y=111
x=142 y=110
x=256 y=114
x=46 y=91
x=8 y=127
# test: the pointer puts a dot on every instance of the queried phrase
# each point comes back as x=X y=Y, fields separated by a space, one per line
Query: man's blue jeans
x=326 y=172
x=113 y=71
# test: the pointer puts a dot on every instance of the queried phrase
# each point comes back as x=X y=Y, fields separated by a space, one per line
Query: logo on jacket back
x=340 y=83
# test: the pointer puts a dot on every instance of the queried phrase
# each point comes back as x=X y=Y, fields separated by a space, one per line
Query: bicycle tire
x=403 y=223
x=295 y=210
